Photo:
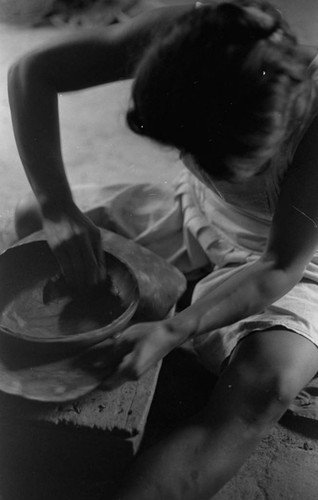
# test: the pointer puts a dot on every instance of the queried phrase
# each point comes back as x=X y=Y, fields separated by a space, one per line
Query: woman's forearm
x=34 y=111
x=245 y=293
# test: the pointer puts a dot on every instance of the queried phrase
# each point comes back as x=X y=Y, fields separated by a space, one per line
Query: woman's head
x=224 y=83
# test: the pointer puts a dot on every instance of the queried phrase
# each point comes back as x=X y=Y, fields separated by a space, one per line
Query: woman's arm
x=77 y=61
x=292 y=242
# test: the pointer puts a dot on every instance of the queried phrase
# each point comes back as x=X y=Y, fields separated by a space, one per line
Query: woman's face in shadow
x=192 y=165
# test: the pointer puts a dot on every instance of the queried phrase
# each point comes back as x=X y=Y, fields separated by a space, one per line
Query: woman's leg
x=266 y=372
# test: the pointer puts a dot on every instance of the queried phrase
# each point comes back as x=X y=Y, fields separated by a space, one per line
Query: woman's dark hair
x=222 y=83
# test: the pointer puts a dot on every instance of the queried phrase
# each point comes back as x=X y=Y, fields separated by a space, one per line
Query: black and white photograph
x=158 y=250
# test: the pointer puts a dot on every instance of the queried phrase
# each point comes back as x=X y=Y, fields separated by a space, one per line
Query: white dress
x=210 y=235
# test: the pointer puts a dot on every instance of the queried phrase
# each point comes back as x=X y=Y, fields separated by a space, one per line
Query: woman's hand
x=140 y=347
x=76 y=244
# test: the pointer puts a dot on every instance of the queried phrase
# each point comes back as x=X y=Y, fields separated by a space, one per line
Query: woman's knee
x=267 y=390
x=267 y=370
x=256 y=395
x=27 y=216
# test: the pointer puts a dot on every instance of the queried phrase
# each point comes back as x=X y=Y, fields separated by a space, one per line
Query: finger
x=70 y=264
x=91 y=270
x=100 y=359
x=126 y=371
x=83 y=262
x=98 y=247
x=122 y=357
x=85 y=268
x=125 y=343
x=100 y=259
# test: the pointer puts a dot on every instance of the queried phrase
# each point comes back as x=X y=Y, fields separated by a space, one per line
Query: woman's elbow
x=13 y=75
x=25 y=72
x=278 y=280
x=19 y=74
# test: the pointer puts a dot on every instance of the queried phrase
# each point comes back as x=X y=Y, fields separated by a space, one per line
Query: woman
x=229 y=86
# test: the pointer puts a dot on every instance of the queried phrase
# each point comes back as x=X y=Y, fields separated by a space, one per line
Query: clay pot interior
x=32 y=308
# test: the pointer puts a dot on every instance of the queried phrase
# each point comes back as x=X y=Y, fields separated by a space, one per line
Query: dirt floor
x=100 y=149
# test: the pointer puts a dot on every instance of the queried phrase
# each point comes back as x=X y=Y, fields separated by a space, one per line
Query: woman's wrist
x=55 y=203
x=182 y=326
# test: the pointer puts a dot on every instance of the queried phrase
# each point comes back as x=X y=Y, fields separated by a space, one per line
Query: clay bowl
x=35 y=307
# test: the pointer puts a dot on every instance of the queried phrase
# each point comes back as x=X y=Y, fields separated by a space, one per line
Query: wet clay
x=34 y=303
x=66 y=314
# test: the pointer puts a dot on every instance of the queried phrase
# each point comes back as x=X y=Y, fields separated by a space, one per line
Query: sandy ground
x=98 y=148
